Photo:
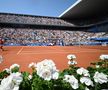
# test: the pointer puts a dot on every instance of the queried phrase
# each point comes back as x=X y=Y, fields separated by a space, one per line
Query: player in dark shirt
x=1 y=44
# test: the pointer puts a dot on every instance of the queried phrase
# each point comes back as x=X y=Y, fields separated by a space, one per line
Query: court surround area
x=23 y=55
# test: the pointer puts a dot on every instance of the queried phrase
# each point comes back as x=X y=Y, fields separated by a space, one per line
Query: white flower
x=86 y=88
x=7 y=70
x=6 y=84
x=104 y=57
x=46 y=74
x=41 y=66
x=32 y=65
x=16 y=88
x=55 y=75
x=12 y=82
x=86 y=80
x=71 y=56
x=100 y=78
x=97 y=66
x=1 y=59
x=13 y=66
x=67 y=78
x=72 y=80
x=30 y=77
x=47 y=70
x=46 y=64
x=17 y=78
x=72 y=62
x=82 y=71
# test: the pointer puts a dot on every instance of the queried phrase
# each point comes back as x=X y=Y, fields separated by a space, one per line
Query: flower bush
x=46 y=76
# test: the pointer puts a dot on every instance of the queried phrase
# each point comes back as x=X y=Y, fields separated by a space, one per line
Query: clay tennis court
x=23 y=55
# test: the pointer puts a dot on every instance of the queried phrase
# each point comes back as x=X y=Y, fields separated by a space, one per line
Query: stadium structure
x=80 y=24
x=68 y=52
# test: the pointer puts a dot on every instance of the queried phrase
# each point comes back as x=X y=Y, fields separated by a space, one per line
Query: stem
x=96 y=86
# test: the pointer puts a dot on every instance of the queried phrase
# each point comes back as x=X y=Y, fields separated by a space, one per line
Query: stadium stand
x=31 y=30
x=30 y=19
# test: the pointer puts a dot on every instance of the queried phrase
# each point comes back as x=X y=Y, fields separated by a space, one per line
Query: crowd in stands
x=18 y=36
x=44 y=20
x=32 y=36
x=24 y=19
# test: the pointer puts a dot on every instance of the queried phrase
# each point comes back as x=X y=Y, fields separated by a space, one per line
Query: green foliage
x=15 y=69
x=3 y=74
x=38 y=83
x=26 y=83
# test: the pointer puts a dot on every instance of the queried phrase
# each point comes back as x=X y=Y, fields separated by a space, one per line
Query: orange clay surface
x=23 y=55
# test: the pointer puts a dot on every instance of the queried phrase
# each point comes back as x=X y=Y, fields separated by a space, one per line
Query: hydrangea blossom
x=100 y=78
x=47 y=70
x=82 y=71
x=12 y=82
x=72 y=80
x=104 y=57
x=86 y=80
x=71 y=57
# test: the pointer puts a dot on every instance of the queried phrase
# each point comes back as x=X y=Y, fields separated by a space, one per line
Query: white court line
x=43 y=52
x=40 y=51
x=34 y=52
x=20 y=50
